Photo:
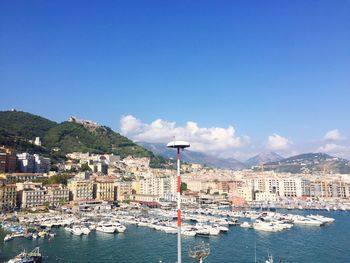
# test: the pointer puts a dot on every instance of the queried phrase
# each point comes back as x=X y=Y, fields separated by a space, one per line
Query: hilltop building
x=37 y=141
x=85 y=123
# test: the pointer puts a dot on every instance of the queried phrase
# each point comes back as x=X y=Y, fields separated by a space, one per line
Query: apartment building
x=57 y=195
x=8 y=196
x=7 y=160
x=124 y=190
x=164 y=187
x=23 y=177
x=105 y=189
x=30 y=194
x=80 y=189
x=28 y=163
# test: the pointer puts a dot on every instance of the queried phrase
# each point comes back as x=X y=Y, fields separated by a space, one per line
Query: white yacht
x=169 y=230
x=76 y=230
x=266 y=226
x=221 y=228
x=188 y=232
x=106 y=228
x=213 y=231
x=85 y=230
x=8 y=237
x=120 y=228
x=321 y=218
x=301 y=220
x=245 y=225
x=69 y=229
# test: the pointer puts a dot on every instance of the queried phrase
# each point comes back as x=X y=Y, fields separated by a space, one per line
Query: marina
x=147 y=232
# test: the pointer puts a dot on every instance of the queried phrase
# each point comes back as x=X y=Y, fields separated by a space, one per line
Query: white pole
x=178 y=207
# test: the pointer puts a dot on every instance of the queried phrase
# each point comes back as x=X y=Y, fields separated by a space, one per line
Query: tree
x=183 y=187
x=85 y=167
x=57 y=179
x=62 y=201
x=46 y=204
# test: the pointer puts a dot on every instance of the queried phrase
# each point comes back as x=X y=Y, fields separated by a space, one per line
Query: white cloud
x=332 y=148
x=333 y=135
x=212 y=139
x=336 y=149
x=129 y=124
x=277 y=142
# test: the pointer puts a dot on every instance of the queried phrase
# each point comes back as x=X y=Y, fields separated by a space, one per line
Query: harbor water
x=301 y=244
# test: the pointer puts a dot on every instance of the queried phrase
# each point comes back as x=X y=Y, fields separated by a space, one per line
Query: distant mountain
x=310 y=162
x=18 y=129
x=263 y=158
x=194 y=157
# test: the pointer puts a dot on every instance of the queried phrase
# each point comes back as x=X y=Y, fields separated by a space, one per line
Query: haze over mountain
x=194 y=157
x=310 y=163
x=263 y=158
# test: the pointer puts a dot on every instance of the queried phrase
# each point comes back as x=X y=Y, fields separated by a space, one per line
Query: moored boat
x=31 y=257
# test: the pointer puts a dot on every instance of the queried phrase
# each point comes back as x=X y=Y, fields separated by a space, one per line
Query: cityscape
x=188 y=131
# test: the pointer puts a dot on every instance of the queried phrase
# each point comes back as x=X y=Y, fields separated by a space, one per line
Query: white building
x=25 y=162
x=36 y=163
x=37 y=141
x=164 y=187
x=42 y=164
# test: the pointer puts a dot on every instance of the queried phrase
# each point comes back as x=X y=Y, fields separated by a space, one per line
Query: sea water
x=301 y=244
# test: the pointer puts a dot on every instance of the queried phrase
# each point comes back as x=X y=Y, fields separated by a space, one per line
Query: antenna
x=199 y=251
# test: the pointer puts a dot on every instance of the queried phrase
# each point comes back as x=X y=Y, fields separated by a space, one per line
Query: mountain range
x=310 y=163
x=270 y=161
x=210 y=160
x=19 y=129
x=263 y=158
x=194 y=157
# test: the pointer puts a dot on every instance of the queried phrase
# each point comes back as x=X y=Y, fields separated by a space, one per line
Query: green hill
x=25 y=125
x=18 y=128
x=20 y=144
x=74 y=137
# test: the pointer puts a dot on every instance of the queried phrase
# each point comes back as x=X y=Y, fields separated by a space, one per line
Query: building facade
x=8 y=197
x=57 y=195
x=105 y=189
x=80 y=189
x=7 y=160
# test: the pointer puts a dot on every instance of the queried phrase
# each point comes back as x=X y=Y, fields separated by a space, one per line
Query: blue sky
x=265 y=68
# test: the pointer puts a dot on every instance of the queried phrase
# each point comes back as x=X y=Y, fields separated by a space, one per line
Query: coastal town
x=28 y=183
x=106 y=193
x=82 y=192
x=108 y=179
x=174 y=131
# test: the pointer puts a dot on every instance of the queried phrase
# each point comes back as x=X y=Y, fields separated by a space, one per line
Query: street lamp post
x=178 y=145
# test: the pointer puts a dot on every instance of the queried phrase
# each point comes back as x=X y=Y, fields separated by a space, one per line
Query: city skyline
x=253 y=77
